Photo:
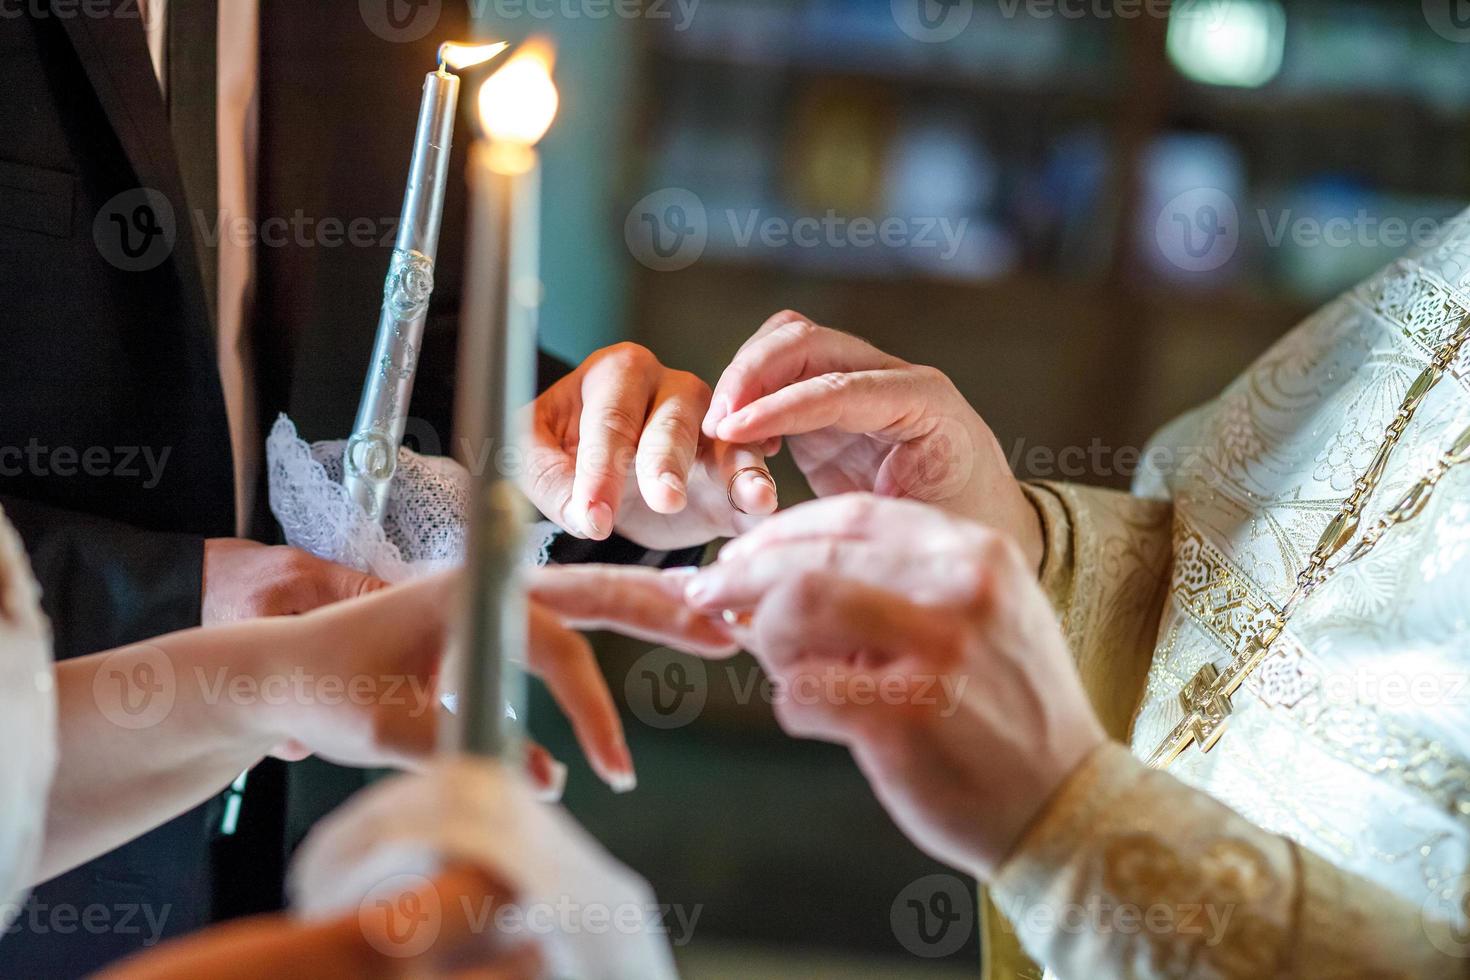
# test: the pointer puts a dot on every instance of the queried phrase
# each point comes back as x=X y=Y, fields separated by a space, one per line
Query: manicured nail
x=732 y=549
x=623 y=782
x=556 y=784
x=718 y=409
x=732 y=422
x=683 y=571
x=674 y=482
x=599 y=520
x=696 y=592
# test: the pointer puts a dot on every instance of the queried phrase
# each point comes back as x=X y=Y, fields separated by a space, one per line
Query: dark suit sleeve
x=106 y=584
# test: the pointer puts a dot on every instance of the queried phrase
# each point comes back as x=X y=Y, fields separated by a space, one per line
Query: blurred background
x=1091 y=213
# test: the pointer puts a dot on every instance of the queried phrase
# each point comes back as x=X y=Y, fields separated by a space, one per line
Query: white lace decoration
x=423 y=529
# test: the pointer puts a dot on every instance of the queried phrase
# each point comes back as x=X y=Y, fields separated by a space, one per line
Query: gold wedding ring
x=760 y=471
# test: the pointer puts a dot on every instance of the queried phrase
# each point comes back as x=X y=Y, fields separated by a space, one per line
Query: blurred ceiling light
x=1228 y=42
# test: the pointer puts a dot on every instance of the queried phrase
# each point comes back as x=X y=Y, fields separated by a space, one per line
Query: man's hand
x=362 y=677
x=623 y=418
x=245 y=580
x=861 y=420
x=924 y=644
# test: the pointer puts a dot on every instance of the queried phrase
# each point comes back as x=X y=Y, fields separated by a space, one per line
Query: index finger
x=853 y=516
x=639 y=602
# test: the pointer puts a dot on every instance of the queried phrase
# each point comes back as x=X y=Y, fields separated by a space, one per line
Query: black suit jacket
x=107 y=358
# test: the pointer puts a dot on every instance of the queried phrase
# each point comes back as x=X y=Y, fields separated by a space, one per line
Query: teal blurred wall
x=583 y=260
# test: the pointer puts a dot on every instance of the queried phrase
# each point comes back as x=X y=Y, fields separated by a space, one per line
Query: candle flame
x=518 y=103
x=453 y=54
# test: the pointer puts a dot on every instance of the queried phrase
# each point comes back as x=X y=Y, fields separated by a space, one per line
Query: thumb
x=337 y=583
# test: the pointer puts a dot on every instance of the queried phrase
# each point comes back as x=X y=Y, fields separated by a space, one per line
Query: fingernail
x=733 y=618
x=556 y=784
x=718 y=409
x=683 y=571
x=731 y=549
x=674 y=482
x=623 y=782
x=599 y=519
x=697 y=592
x=732 y=422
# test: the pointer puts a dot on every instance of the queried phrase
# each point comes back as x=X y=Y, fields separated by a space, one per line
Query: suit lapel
x=114 y=51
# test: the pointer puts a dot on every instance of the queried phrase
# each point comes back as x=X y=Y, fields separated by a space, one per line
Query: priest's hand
x=858 y=419
x=923 y=643
x=245 y=579
x=617 y=446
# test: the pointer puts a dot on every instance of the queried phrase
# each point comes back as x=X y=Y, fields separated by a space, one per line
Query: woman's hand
x=861 y=420
x=149 y=730
x=924 y=644
x=363 y=676
x=623 y=418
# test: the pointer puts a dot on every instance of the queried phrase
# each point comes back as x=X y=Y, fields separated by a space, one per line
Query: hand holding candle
x=372 y=451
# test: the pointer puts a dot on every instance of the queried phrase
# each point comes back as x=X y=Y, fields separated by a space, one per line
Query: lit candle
x=382 y=413
x=497 y=380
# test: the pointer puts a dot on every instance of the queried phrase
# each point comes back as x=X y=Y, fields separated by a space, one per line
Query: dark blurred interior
x=1137 y=202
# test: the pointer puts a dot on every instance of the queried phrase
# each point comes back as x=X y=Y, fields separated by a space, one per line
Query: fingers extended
x=638 y=602
x=618 y=386
x=670 y=441
x=563 y=659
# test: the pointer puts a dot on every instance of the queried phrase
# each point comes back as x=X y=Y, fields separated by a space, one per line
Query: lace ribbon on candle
x=423 y=529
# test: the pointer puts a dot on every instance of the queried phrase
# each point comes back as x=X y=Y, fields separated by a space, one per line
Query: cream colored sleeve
x=1105 y=569
x=1130 y=873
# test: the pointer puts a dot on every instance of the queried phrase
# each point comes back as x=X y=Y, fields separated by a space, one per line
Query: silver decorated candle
x=497 y=380
x=382 y=413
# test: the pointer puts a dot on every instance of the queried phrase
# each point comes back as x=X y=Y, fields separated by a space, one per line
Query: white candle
x=382 y=412
x=497 y=366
